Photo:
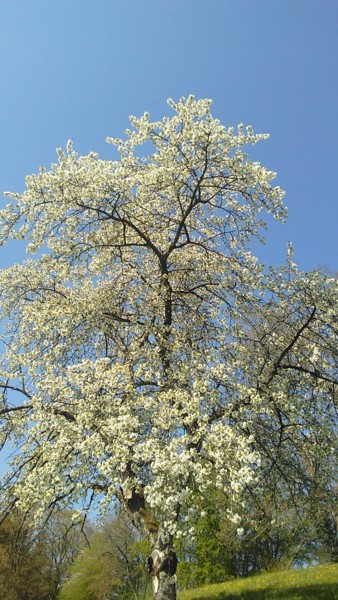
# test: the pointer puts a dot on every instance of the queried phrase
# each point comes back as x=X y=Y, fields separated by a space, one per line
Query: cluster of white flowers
x=144 y=332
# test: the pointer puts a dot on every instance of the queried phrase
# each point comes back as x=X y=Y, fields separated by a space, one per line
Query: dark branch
x=290 y=345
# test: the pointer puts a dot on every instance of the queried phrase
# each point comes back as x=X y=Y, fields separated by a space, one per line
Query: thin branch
x=290 y=345
x=7 y=386
x=316 y=374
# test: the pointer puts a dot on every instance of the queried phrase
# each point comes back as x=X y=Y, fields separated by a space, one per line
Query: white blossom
x=149 y=344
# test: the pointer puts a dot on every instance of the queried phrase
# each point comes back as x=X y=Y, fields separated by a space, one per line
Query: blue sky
x=76 y=69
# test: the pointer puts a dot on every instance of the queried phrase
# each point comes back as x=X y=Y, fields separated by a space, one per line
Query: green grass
x=314 y=583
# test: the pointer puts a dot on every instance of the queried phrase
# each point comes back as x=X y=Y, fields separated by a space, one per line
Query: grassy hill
x=314 y=583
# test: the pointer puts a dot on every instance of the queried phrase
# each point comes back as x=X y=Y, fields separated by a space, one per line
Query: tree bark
x=162 y=565
x=162 y=562
x=167 y=588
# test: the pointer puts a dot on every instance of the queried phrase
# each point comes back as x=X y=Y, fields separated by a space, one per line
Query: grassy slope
x=314 y=583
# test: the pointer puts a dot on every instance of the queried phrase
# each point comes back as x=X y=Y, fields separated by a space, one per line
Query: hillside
x=314 y=583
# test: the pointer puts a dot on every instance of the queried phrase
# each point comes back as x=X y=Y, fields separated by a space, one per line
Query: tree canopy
x=155 y=357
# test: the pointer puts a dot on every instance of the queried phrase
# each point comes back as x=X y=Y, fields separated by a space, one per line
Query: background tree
x=209 y=556
x=111 y=567
x=60 y=540
x=20 y=561
x=33 y=564
x=134 y=338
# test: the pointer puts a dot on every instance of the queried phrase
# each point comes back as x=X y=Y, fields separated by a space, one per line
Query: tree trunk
x=162 y=562
x=162 y=565
x=167 y=587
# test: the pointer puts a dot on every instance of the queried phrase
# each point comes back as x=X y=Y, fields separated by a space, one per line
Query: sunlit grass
x=314 y=583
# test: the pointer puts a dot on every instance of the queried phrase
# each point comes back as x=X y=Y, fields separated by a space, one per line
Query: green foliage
x=207 y=559
x=314 y=583
x=212 y=560
x=112 y=566
x=93 y=576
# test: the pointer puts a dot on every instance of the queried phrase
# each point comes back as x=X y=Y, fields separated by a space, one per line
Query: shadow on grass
x=310 y=592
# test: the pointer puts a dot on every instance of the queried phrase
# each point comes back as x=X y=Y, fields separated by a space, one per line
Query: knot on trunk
x=134 y=500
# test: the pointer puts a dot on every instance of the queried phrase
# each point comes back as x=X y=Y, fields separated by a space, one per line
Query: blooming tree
x=147 y=355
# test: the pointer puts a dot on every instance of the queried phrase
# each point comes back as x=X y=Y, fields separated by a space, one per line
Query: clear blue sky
x=78 y=68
